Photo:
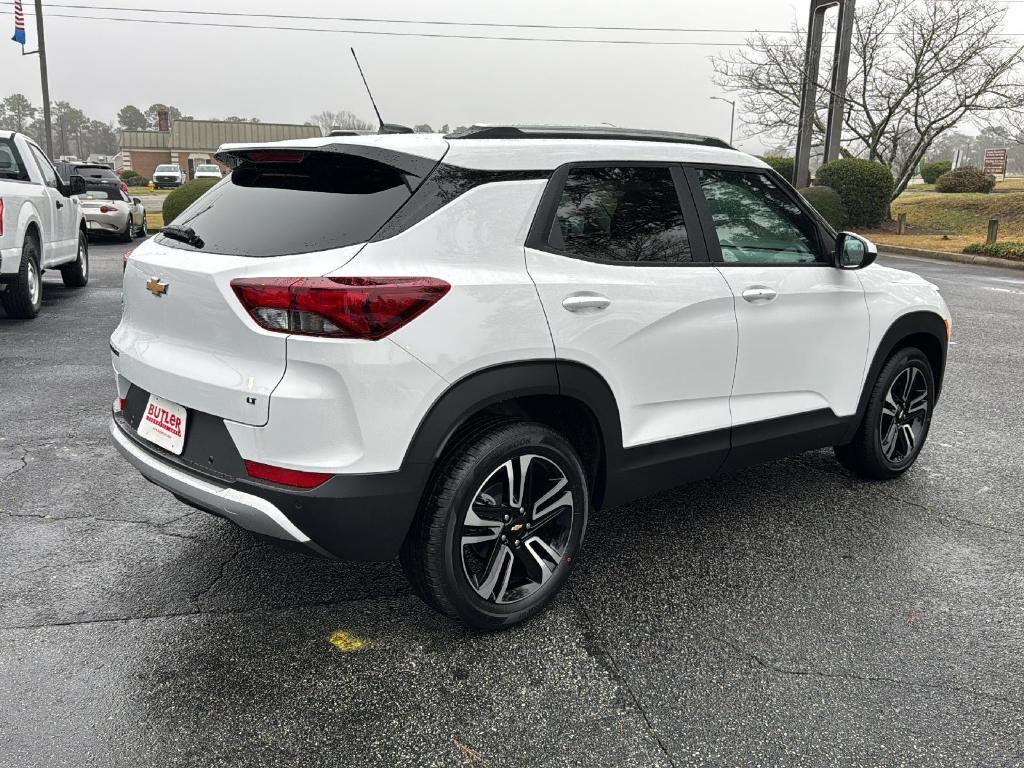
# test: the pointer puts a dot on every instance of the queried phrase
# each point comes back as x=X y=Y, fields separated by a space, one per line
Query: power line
x=434 y=35
x=386 y=33
x=373 y=20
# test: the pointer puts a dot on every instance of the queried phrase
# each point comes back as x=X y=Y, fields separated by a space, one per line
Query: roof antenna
x=384 y=127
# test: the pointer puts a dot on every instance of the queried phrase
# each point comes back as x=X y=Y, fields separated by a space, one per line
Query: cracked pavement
x=786 y=615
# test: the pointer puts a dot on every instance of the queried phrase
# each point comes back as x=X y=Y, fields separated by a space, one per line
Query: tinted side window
x=756 y=222
x=49 y=174
x=10 y=162
x=626 y=214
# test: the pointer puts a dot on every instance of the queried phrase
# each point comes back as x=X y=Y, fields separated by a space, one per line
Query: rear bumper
x=248 y=511
x=105 y=223
x=10 y=260
x=350 y=517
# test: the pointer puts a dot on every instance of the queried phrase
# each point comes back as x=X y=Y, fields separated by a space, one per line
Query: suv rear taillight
x=339 y=307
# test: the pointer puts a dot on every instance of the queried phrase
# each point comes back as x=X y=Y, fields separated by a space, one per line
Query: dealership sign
x=995 y=162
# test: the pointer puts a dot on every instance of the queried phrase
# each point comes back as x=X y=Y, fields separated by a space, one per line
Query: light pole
x=732 y=120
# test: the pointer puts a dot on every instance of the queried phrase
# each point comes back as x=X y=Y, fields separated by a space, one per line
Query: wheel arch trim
x=920 y=323
x=513 y=381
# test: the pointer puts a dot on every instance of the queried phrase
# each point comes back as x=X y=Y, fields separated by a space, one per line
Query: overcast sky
x=287 y=76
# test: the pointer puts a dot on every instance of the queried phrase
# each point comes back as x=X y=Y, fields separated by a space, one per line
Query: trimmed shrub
x=966 y=179
x=930 y=172
x=126 y=173
x=827 y=202
x=784 y=165
x=1007 y=250
x=184 y=196
x=864 y=187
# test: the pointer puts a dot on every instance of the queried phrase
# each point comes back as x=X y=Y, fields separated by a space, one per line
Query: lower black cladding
x=351 y=517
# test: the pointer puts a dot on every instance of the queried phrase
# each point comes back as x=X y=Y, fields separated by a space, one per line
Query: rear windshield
x=325 y=200
x=95 y=173
x=11 y=166
x=95 y=192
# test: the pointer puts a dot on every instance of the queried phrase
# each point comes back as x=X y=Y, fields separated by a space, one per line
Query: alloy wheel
x=905 y=415
x=517 y=528
x=34 y=287
x=83 y=259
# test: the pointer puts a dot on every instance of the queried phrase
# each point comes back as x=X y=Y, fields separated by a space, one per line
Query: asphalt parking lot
x=786 y=615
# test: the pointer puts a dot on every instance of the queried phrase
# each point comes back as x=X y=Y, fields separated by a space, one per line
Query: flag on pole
x=19 y=23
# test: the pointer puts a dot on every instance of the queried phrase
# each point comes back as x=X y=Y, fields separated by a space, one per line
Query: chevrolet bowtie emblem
x=156 y=286
x=517 y=527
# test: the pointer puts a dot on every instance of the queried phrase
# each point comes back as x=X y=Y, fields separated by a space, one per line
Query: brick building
x=192 y=142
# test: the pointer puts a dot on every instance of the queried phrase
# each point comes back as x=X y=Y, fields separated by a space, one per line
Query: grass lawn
x=139 y=191
x=154 y=220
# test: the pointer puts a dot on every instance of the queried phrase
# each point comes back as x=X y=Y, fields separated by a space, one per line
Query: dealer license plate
x=163 y=424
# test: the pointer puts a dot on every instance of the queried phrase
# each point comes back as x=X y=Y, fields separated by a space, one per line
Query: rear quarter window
x=11 y=167
x=325 y=200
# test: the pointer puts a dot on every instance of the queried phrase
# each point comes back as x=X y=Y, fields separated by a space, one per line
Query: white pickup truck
x=41 y=226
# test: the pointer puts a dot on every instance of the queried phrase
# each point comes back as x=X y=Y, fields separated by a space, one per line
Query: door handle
x=759 y=294
x=585 y=301
x=59 y=203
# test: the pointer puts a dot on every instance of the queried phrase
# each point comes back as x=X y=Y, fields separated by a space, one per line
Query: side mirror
x=853 y=251
x=137 y=200
x=75 y=186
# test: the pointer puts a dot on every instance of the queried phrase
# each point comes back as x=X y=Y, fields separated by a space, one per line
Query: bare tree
x=344 y=119
x=917 y=69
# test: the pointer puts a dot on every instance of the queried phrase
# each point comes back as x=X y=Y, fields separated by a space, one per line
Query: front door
x=803 y=324
x=61 y=241
x=623 y=274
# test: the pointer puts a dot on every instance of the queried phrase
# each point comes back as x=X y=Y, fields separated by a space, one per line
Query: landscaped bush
x=784 y=165
x=1007 y=250
x=930 y=172
x=966 y=179
x=184 y=196
x=827 y=202
x=863 y=186
x=132 y=178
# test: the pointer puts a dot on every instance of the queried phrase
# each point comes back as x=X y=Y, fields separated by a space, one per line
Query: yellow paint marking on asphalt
x=345 y=642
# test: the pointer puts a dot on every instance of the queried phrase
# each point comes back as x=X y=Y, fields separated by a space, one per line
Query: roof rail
x=582 y=132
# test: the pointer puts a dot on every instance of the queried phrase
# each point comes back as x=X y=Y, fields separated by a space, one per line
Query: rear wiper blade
x=185 y=235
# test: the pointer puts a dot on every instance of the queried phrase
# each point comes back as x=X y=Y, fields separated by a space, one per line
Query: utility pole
x=809 y=87
x=43 y=77
x=732 y=120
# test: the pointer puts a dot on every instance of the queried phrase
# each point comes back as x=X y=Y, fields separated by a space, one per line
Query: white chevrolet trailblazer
x=452 y=349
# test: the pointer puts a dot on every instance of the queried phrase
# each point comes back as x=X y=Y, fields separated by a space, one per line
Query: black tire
x=76 y=274
x=437 y=561
x=129 y=231
x=144 y=229
x=883 y=448
x=23 y=296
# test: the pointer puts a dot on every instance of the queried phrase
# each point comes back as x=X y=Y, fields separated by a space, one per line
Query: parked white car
x=109 y=211
x=168 y=175
x=452 y=349
x=41 y=226
x=207 y=172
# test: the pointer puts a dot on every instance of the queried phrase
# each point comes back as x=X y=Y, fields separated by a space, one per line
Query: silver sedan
x=110 y=211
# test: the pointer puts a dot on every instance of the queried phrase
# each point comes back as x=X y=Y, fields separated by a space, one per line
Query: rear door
x=60 y=241
x=803 y=324
x=184 y=334
x=622 y=272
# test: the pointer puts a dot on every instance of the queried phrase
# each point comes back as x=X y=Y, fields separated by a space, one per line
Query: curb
x=962 y=258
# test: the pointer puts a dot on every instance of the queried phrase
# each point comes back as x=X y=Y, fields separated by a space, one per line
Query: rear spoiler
x=413 y=165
